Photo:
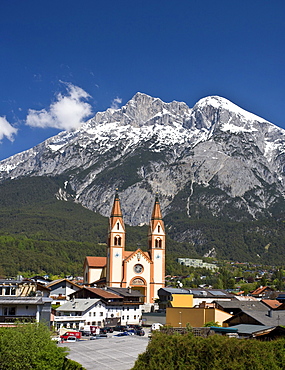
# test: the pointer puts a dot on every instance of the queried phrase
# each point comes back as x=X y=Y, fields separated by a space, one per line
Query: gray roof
x=24 y=300
x=78 y=305
x=263 y=317
x=197 y=292
x=251 y=329
x=243 y=305
x=126 y=292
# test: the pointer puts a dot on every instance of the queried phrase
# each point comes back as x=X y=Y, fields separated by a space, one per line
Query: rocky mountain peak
x=215 y=156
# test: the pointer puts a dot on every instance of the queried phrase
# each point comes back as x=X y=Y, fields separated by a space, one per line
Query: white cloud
x=116 y=102
x=6 y=129
x=66 y=113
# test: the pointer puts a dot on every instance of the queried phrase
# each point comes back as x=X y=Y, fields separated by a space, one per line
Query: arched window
x=158 y=228
x=119 y=240
x=118 y=226
x=115 y=241
x=158 y=243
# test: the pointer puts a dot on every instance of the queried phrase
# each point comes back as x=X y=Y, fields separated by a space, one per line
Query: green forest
x=42 y=235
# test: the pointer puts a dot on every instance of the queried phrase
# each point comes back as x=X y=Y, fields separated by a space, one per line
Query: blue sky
x=62 y=61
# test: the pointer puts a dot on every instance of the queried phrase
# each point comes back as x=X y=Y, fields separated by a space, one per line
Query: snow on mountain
x=149 y=145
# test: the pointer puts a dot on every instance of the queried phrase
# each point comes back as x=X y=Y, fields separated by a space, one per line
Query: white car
x=71 y=339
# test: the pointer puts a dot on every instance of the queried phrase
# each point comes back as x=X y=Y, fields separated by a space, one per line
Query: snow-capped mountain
x=214 y=157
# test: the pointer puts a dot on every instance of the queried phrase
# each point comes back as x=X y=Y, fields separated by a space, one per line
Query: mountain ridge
x=148 y=145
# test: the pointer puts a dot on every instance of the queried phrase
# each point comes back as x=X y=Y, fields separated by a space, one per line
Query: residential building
x=77 y=313
x=123 y=305
x=61 y=289
x=23 y=301
x=170 y=297
x=197 y=263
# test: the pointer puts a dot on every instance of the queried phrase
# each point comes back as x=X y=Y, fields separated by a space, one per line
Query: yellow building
x=195 y=317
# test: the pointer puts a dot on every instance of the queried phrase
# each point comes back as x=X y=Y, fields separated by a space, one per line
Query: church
x=138 y=270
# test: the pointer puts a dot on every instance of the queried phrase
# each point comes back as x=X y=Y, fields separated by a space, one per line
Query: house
x=77 y=313
x=261 y=332
x=262 y=292
x=22 y=301
x=257 y=317
x=123 y=305
x=169 y=297
x=61 y=289
x=143 y=271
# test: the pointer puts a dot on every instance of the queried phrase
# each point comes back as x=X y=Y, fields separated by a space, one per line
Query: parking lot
x=113 y=352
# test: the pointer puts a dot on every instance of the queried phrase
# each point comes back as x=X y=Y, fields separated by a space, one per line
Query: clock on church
x=138 y=268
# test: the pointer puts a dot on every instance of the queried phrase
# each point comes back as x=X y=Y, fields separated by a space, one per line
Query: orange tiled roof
x=103 y=293
x=260 y=290
x=272 y=303
x=127 y=254
x=96 y=261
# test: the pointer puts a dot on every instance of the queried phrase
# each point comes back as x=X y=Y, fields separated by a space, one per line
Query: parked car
x=103 y=331
x=109 y=329
x=135 y=326
x=121 y=328
x=122 y=334
x=140 y=332
x=71 y=339
x=98 y=336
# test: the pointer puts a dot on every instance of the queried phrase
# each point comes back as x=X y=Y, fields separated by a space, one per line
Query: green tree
x=29 y=346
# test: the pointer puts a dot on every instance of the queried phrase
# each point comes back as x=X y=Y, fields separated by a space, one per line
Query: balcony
x=68 y=318
x=11 y=319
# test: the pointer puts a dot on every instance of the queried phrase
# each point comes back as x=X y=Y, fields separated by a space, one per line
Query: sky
x=62 y=61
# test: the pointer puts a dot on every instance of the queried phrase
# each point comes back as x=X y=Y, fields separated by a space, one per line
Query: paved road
x=112 y=353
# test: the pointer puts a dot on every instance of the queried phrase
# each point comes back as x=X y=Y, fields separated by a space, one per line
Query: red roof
x=103 y=293
x=96 y=261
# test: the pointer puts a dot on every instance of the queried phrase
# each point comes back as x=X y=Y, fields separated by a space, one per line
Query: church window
x=158 y=228
x=137 y=281
x=118 y=226
x=119 y=240
x=157 y=243
x=115 y=241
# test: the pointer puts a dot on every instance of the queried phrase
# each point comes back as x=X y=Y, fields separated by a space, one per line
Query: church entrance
x=140 y=285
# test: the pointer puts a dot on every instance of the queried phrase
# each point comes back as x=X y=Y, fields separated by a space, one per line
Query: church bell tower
x=156 y=249
x=116 y=245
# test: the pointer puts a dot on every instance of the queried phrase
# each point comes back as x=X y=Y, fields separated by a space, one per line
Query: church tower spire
x=116 y=244
x=156 y=249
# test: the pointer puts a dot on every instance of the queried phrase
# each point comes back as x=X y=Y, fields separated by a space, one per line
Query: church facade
x=139 y=270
